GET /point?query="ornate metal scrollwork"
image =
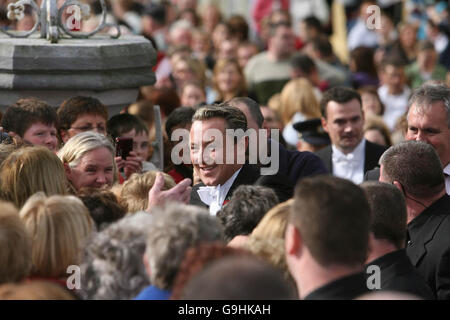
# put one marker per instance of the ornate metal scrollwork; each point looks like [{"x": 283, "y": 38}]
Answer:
[{"x": 50, "y": 19}]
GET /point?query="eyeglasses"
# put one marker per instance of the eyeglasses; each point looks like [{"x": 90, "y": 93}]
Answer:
[{"x": 90, "y": 128}]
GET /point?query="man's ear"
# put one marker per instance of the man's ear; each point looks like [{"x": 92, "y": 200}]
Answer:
[
  {"x": 293, "y": 241},
  {"x": 399, "y": 186},
  {"x": 324, "y": 124}
]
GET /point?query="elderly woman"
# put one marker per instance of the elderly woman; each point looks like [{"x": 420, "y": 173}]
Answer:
[
  {"x": 112, "y": 267},
  {"x": 88, "y": 160},
  {"x": 29, "y": 170}
]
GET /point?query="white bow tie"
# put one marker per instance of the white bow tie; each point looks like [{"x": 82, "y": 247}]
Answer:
[
  {"x": 350, "y": 157},
  {"x": 208, "y": 194}
]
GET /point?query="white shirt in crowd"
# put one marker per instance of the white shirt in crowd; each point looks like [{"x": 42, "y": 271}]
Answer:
[
  {"x": 395, "y": 106},
  {"x": 214, "y": 196},
  {"x": 349, "y": 166},
  {"x": 447, "y": 178}
]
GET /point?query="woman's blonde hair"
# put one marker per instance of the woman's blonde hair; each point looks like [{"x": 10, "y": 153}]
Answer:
[
  {"x": 274, "y": 223},
  {"x": 34, "y": 290},
  {"x": 59, "y": 227},
  {"x": 241, "y": 89},
  {"x": 77, "y": 146},
  {"x": 134, "y": 193},
  {"x": 29, "y": 170},
  {"x": 15, "y": 245},
  {"x": 298, "y": 96}
]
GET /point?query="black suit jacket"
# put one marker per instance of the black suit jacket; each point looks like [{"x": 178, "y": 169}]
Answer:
[
  {"x": 398, "y": 274},
  {"x": 250, "y": 175},
  {"x": 345, "y": 288},
  {"x": 373, "y": 153},
  {"x": 428, "y": 246}
]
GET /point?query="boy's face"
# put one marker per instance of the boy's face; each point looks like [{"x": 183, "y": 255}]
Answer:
[
  {"x": 140, "y": 143},
  {"x": 41, "y": 134}
]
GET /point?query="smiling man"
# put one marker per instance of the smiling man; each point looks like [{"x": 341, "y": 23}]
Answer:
[
  {"x": 218, "y": 155},
  {"x": 429, "y": 121},
  {"x": 350, "y": 156}
]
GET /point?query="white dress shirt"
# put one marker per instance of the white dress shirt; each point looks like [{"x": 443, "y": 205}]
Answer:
[
  {"x": 447, "y": 178},
  {"x": 214, "y": 196},
  {"x": 351, "y": 165},
  {"x": 395, "y": 105}
]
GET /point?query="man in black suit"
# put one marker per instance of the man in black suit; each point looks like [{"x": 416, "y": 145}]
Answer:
[
  {"x": 415, "y": 169},
  {"x": 327, "y": 239},
  {"x": 294, "y": 164},
  {"x": 218, "y": 155},
  {"x": 349, "y": 156},
  {"x": 387, "y": 254}
]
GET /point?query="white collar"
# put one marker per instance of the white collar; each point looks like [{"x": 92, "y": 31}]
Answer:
[
  {"x": 356, "y": 155},
  {"x": 214, "y": 196},
  {"x": 447, "y": 169}
]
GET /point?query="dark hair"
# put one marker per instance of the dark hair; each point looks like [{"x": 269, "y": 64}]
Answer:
[
  {"x": 364, "y": 60},
  {"x": 333, "y": 218},
  {"x": 340, "y": 95},
  {"x": 392, "y": 60},
  {"x": 72, "y": 108},
  {"x": 388, "y": 209},
  {"x": 238, "y": 278},
  {"x": 19, "y": 117},
  {"x": 238, "y": 27},
  {"x": 313, "y": 22},
  {"x": 246, "y": 208},
  {"x": 179, "y": 117},
  {"x": 252, "y": 106},
  {"x": 304, "y": 63},
  {"x": 323, "y": 45},
  {"x": 123, "y": 123},
  {"x": 102, "y": 205},
  {"x": 234, "y": 117},
  {"x": 416, "y": 166}
]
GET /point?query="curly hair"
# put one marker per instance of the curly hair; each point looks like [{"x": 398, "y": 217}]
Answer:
[
  {"x": 246, "y": 208},
  {"x": 112, "y": 267},
  {"x": 175, "y": 229},
  {"x": 102, "y": 205}
]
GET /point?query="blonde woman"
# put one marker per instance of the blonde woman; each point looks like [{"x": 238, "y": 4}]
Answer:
[
  {"x": 59, "y": 227},
  {"x": 298, "y": 103},
  {"x": 88, "y": 160},
  {"x": 29, "y": 170},
  {"x": 15, "y": 246}
]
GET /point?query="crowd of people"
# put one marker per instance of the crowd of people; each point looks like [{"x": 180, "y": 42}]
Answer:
[{"x": 343, "y": 191}]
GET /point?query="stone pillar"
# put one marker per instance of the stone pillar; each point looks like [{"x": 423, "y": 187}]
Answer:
[{"x": 111, "y": 70}]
